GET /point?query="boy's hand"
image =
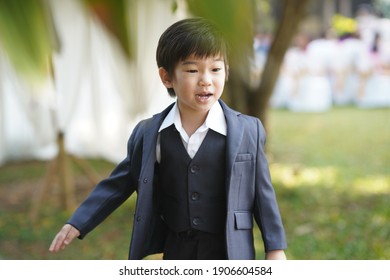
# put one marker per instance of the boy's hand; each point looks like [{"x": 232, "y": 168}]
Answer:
[
  {"x": 63, "y": 238},
  {"x": 275, "y": 255}
]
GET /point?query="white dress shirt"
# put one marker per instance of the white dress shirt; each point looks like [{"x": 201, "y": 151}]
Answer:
[{"x": 215, "y": 120}]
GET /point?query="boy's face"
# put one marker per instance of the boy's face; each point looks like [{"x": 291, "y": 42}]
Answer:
[{"x": 198, "y": 83}]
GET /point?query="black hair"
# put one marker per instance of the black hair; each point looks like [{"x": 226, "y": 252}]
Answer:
[{"x": 192, "y": 36}]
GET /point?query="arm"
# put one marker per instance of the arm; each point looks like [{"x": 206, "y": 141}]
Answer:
[
  {"x": 105, "y": 198},
  {"x": 111, "y": 192},
  {"x": 266, "y": 210}
]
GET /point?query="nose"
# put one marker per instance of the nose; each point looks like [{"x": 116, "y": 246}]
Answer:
[{"x": 205, "y": 80}]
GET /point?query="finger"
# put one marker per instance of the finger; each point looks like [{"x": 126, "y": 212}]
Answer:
[
  {"x": 59, "y": 240},
  {"x": 56, "y": 244},
  {"x": 72, "y": 234}
]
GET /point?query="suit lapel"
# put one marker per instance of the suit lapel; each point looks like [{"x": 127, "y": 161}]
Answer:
[
  {"x": 235, "y": 133},
  {"x": 150, "y": 138}
]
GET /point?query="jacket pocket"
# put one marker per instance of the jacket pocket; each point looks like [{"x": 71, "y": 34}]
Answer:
[
  {"x": 243, "y": 220},
  {"x": 243, "y": 157}
]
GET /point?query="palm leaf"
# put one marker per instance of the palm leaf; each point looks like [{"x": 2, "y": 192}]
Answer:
[{"x": 26, "y": 35}]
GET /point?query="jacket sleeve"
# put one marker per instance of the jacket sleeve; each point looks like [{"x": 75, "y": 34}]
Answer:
[
  {"x": 109, "y": 194},
  {"x": 266, "y": 210}
]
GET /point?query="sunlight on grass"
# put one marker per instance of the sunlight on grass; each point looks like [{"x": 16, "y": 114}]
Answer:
[
  {"x": 372, "y": 185},
  {"x": 293, "y": 176},
  {"x": 296, "y": 176}
]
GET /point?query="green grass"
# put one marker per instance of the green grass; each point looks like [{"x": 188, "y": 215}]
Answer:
[{"x": 330, "y": 172}]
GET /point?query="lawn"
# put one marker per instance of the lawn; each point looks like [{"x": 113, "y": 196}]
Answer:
[{"x": 330, "y": 172}]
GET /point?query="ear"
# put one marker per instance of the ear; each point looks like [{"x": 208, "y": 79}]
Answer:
[{"x": 165, "y": 78}]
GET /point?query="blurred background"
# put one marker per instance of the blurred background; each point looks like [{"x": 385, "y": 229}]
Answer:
[{"x": 77, "y": 75}]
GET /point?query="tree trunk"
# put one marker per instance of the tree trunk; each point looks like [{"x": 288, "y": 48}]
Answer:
[{"x": 293, "y": 13}]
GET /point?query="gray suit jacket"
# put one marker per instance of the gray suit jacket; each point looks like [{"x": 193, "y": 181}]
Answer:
[{"x": 248, "y": 186}]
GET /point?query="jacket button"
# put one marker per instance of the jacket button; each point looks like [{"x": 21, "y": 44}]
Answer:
[
  {"x": 145, "y": 180},
  {"x": 138, "y": 218},
  {"x": 194, "y": 169},
  {"x": 194, "y": 196},
  {"x": 196, "y": 221}
]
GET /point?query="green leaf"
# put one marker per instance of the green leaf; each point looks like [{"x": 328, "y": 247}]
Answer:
[{"x": 27, "y": 36}]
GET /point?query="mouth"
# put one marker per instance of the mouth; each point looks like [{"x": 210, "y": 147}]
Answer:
[{"x": 203, "y": 96}]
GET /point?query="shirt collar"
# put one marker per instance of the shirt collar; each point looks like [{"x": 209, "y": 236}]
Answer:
[{"x": 215, "y": 119}]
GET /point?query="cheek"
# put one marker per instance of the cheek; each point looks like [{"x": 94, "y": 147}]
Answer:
[
  {"x": 220, "y": 83},
  {"x": 188, "y": 81},
  {"x": 183, "y": 85},
  {"x": 186, "y": 84}
]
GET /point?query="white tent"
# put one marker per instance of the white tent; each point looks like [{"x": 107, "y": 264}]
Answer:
[{"x": 97, "y": 95}]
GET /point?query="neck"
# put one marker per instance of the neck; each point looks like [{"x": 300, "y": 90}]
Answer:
[{"x": 191, "y": 122}]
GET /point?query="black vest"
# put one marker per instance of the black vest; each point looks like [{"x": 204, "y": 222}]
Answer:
[{"x": 193, "y": 194}]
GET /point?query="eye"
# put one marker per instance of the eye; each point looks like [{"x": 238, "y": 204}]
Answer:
[
  {"x": 192, "y": 71},
  {"x": 217, "y": 69}
]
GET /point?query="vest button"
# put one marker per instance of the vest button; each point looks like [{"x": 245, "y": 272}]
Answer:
[
  {"x": 194, "y": 169},
  {"x": 196, "y": 221},
  {"x": 194, "y": 196}
]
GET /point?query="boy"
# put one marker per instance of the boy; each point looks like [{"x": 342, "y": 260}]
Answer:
[{"x": 198, "y": 167}]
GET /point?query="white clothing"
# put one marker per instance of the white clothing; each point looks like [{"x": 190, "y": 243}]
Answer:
[
  {"x": 215, "y": 120},
  {"x": 351, "y": 63},
  {"x": 293, "y": 64},
  {"x": 376, "y": 92},
  {"x": 314, "y": 93}
]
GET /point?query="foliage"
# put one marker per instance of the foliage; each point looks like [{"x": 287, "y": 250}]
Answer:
[
  {"x": 28, "y": 33},
  {"x": 114, "y": 16},
  {"x": 330, "y": 172},
  {"x": 27, "y": 36},
  {"x": 234, "y": 19}
]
